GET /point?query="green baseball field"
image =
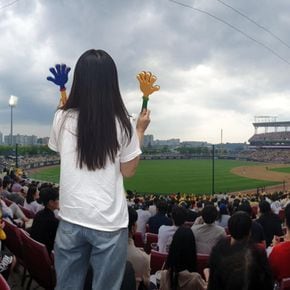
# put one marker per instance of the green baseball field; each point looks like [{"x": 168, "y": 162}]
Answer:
[{"x": 186, "y": 176}]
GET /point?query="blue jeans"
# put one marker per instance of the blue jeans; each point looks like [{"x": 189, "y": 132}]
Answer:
[{"x": 76, "y": 247}]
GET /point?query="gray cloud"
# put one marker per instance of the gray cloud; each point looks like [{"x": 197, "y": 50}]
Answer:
[{"x": 211, "y": 76}]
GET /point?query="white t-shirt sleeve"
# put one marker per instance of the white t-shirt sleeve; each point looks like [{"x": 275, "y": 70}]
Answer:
[
  {"x": 132, "y": 149},
  {"x": 53, "y": 139}
]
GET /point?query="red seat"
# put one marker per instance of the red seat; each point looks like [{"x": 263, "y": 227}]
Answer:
[
  {"x": 13, "y": 240},
  {"x": 39, "y": 263},
  {"x": 202, "y": 263},
  {"x": 149, "y": 239},
  {"x": 261, "y": 246},
  {"x": 7, "y": 201},
  {"x": 157, "y": 261},
  {"x": 188, "y": 224},
  {"x": 281, "y": 214},
  {"x": 3, "y": 283},
  {"x": 28, "y": 213},
  {"x": 14, "y": 243},
  {"x": 138, "y": 240},
  {"x": 285, "y": 284}
]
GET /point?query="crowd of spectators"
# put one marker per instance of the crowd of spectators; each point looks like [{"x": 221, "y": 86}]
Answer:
[
  {"x": 271, "y": 136},
  {"x": 266, "y": 155},
  {"x": 234, "y": 230},
  {"x": 244, "y": 236}
]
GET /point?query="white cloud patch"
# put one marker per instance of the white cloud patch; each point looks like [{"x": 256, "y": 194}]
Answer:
[{"x": 211, "y": 76}]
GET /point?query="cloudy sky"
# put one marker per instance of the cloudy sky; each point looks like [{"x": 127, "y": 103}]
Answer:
[{"x": 212, "y": 76}]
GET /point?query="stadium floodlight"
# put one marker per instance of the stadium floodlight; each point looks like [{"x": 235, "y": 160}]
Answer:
[{"x": 12, "y": 103}]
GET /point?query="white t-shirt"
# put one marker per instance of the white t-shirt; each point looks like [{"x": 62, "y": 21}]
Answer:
[
  {"x": 143, "y": 217},
  {"x": 34, "y": 206},
  {"x": 93, "y": 199},
  {"x": 165, "y": 234}
]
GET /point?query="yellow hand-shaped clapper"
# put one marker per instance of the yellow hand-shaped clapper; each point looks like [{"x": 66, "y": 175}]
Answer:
[{"x": 146, "y": 81}]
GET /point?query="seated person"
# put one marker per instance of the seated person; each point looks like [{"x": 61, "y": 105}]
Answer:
[
  {"x": 257, "y": 233},
  {"x": 45, "y": 223},
  {"x": 7, "y": 260},
  {"x": 138, "y": 258},
  {"x": 156, "y": 221},
  {"x": 223, "y": 216},
  {"x": 181, "y": 265},
  {"x": 12, "y": 211},
  {"x": 279, "y": 257},
  {"x": 143, "y": 217},
  {"x": 239, "y": 264},
  {"x": 32, "y": 196},
  {"x": 166, "y": 233},
  {"x": 270, "y": 222},
  {"x": 208, "y": 233},
  {"x": 16, "y": 197}
]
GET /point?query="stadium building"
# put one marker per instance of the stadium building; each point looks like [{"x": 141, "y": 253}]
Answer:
[{"x": 275, "y": 135}]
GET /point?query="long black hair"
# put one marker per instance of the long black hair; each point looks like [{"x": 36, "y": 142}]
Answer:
[
  {"x": 95, "y": 95},
  {"x": 182, "y": 255}
]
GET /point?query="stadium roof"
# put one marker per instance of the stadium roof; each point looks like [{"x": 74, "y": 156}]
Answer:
[{"x": 272, "y": 124}]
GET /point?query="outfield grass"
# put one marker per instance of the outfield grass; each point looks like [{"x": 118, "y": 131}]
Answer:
[
  {"x": 281, "y": 169},
  {"x": 187, "y": 176}
]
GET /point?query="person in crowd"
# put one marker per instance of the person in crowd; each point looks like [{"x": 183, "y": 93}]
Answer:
[
  {"x": 270, "y": 222},
  {"x": 223, "y": 216},
  {"x": 156, "y": 221},
  {"x": 7, "y": 259},
  {"x": 31, "y": 201},
  {"x": 12, "y": 213},
  {"x": 239, "y": 264},
  {"x": 166, "y": 233},
  {"x": 208, "y": 233},
  {"x": 279, "y": 257},
  {"x": 276, "y": 204},
  {"x": 138, "y": 258},
  {"x": 152, "y": 206},
  {"x": 181, "y": 264},
  {"x": 143, "y": 218},
  {"x": 6, "y": 184},
  {"x": 45, "y": 223},
  {"x": 93, "y": 206},
  {"x": 12, "y": 196},
  {"x": 257, "y": 233},
  {"x": 16, "y": 186},
  {"x": 198, "y": 209}
]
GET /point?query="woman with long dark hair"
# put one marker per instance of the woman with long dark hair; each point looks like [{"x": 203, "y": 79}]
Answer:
[
  {"x": 181, "y": 265},
  {"x": 30, "y": 201},
  {"x": 98, "y": 146}
]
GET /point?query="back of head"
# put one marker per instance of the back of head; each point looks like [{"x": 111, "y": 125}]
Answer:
[
  {"x": 239, "y": 225},
  {"x": 30, "y": 193},
  {"x": 47, "y": 194},
  {"x": 246, "y": 208},
  {"x": 209, "y": 214},
  {"x": 287, "y": 215},
  {"x": 178, "y": 215},
  {"x": 264, "y": 207},
  {"x": 182, "y": 251},
  {"x": 161, "y": 205},
  {"x": 95, "y": 95},
  {"x": 242, "y": 267},
  {"x": 133, "y": 216}
]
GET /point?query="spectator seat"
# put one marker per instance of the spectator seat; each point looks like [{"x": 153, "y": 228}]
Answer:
[{"x": 157, "y": 261}]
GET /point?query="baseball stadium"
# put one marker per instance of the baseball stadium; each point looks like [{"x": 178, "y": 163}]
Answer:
[{"x": 264, "y": 165}]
